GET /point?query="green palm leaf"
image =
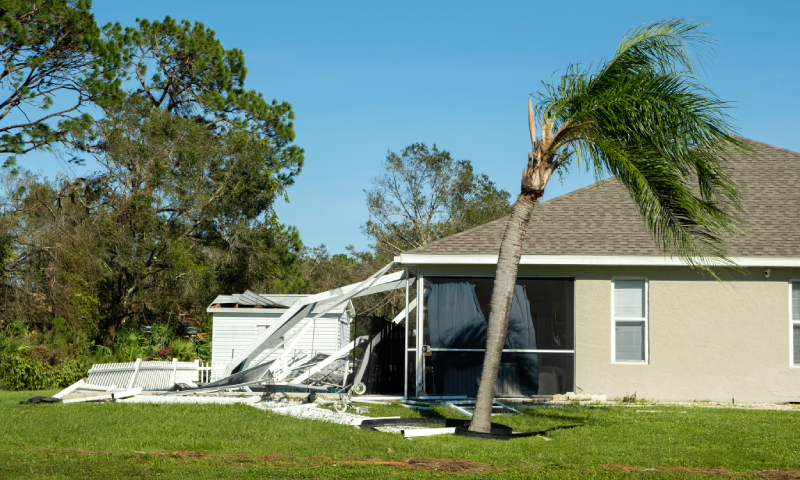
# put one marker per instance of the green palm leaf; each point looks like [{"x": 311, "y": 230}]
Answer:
[{"x": 643, "y": 117}]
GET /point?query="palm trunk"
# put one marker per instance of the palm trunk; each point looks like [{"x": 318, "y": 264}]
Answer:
[{"x": 502, "y": 296}]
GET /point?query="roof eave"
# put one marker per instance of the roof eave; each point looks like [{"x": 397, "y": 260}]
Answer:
[{"x": 598, "y": 260}]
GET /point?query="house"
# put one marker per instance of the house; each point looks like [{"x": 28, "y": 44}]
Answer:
[
  {"x": 610, "y": 313},
  {"x": 238, "y": 320}
]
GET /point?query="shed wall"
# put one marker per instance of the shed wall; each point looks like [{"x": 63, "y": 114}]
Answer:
[
  {"x": 708, "y": 340},
  {"x": 233, "y": 332}
]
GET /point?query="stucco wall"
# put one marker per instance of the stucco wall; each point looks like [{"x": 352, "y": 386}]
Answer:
[{"x": 708, "y": 340}]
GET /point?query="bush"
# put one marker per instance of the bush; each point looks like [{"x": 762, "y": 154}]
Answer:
[{"x": 25, "y": 373}]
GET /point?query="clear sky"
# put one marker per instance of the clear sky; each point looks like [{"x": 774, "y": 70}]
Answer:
[{"x": 367, "y": 77}]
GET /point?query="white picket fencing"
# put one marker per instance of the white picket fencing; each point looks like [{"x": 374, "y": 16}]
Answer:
[
  {"x": 147, "y": 375},
  {"x": 208, "y": 374}
]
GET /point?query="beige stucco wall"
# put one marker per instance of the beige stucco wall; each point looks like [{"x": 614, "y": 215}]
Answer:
[{"x": 708, "y": 340}]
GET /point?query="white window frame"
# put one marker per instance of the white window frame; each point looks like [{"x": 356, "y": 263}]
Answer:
[
  {"x": 792, "y": 323},
  {"x": 646, "y": 320}
]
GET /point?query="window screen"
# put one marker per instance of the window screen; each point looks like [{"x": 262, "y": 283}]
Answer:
[
  {"x": 796, "y": 323},
  {"x": 630, "y": 341},
  {"x": 796, "y": 343},
  {"x": 630, "y": 322},
  {"x": 629, "y": 299}
]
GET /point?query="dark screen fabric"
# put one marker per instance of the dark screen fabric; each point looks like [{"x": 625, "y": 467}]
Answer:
[
  {"x": 454, "y": 316},
  {"x": 455, "y": 320},
  {"x": 521, "y": 335},
  {"x": 384, "y": 371}
]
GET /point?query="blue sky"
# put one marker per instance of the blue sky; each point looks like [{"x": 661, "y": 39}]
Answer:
[{"x": 366, "y": 77}]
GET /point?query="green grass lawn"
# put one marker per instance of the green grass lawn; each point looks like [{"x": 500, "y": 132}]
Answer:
[{"x": 109, "y": 440}]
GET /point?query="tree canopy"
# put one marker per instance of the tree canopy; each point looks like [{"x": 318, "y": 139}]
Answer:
[
  {"x": 189, "y": 165},
  {"x": 184, "y": 69},
  {"x": 52, "y": 50},
  {"x": 175, "y": 215},
  {"x": 423, "y": 194}
]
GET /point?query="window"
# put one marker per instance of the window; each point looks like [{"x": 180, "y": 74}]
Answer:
[
  {"x": 629, "y": 313},
  {"x": 795, "y": 323}
]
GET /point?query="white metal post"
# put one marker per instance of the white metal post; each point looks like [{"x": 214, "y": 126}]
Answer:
[
  {"x": 135, "y": 373},
  {"x": 420, "y": 335},
  {"x": 405, "y": 349},
  {"x": 174, "y": 371}
]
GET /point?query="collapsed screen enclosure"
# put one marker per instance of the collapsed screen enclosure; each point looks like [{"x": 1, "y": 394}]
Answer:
[{"x": 539, "y": 352}]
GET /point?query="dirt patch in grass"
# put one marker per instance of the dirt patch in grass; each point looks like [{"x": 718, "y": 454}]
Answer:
[
  {"x": 778, "y": 474},
  {"x": 450, "y": 465},
  {"x": 769, "y": 474}
]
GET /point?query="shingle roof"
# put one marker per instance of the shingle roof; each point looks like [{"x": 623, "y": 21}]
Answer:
[{"x": 601, "y": 219}]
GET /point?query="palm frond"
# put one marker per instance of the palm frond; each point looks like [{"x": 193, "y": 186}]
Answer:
[{"x": 644, "y": 117}]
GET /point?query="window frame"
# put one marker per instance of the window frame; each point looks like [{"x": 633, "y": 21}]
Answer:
[
  {"x": 645, "y": 319},
  {"x": 792, "y": 323}
]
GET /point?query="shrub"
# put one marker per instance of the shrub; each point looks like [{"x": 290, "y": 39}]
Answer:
[{"x": 18, "y": 372}]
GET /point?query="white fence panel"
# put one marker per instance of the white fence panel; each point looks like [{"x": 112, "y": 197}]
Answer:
[
  {"x": 147, "y": 375},
  {"x": 207, "y": 373}
]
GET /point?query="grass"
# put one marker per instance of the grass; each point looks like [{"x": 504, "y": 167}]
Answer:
[{"x": 237, "y": 441}]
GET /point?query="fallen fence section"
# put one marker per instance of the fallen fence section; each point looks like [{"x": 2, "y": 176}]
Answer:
[
  {"x": 70, "y": 389},
  {"x": 152, "y": 375},
  {"x": 108, "y": 396}
]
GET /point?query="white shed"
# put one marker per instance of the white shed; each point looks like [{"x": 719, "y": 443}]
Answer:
[{"x": 238, "y": 321}]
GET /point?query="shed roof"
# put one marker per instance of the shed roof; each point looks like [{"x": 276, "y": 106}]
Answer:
[
  {"x": 282, "y": 302},
  {"x": 601, "y": 219}
]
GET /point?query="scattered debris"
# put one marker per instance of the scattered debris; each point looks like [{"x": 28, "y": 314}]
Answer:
[
  {"x": 358, "y": 421},
  {"x": 579, "y": 397},
  {"x": 115, "y": 395},
  {"x": 163, "y": 399},
  {"x": 467, "y": 407},
  {"x": 415, "y": 407},
  {"x": 505, "y": 433},
  {"x": 427, "y": 432},
  {"x": 40, "y": 400}
]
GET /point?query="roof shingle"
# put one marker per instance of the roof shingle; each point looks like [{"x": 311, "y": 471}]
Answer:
[{"x": 601, "y": 219}]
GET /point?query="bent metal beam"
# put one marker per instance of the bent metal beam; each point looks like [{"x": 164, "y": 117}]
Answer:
[{"x": 276, "y": 334}]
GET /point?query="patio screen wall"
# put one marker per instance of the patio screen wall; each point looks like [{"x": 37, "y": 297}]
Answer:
[{"x": 539, "y": 353}]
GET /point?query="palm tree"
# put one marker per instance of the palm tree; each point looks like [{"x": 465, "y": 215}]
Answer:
[{"x": 643, "y": 117}]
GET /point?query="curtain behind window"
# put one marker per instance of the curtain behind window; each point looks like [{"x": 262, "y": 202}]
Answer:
[{"x": 455, "y": 320}]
